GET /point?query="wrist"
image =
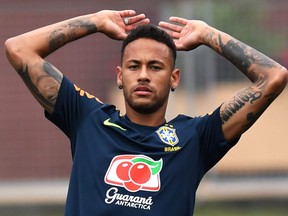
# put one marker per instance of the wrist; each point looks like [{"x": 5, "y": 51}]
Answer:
[
  {"x": 100, "y": 20},
  {"x": 208, "y": 36}
]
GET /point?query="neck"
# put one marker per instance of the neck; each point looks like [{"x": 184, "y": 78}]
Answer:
[{"x": 153, "y": 119}]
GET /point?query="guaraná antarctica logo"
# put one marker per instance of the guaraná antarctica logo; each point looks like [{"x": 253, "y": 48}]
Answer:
[{"x": 134, "y": 173}]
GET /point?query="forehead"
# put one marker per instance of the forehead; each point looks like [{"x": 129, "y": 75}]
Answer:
[{"x": 144, "y": 48}]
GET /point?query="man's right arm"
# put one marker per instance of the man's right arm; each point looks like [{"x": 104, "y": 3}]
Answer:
[{"x": 26, "y": 52}]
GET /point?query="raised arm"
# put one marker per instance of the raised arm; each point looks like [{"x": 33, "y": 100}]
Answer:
[
  {"x": 268, "y": 78},
  {"x": 26, "y": 52}
]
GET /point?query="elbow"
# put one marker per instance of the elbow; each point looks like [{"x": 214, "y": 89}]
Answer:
[
  {"x": 285, "y": 72},
  {"x": 279, "y": 81},
  {"x": 13, "y": 52},
  {"x": 10, "y": 48},
  {"x": 283, "y": 77}
]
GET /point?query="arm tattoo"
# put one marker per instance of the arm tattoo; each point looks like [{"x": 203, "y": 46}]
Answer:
[
  {"x": 243, "y": 56},
  {"x": 251, "y": 117},
  {"x": 255, "y": 66},
  {"x": 211, "y": 40},
  {"x": 72, "y": 31},
  {"x": 52, "y": 71},
  {"x": 249, "y": 95},
  {"x": 50, "y": 81}
]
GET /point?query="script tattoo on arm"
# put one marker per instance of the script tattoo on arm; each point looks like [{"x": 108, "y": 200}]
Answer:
[
  {"x": 251, "y": 117},
  {"x": 248, "y": 95},
  {"x": 46, "y": 87},
  {"x": 70, "y": 32}
]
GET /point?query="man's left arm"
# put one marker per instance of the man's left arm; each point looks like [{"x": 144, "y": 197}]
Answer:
[{"x": 268, "y": 77}]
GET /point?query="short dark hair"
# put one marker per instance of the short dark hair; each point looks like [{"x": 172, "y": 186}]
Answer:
[{"x": 151, "y": 32}]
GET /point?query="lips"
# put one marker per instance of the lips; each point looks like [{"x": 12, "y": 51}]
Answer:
[{"x": 142, "y": 90}]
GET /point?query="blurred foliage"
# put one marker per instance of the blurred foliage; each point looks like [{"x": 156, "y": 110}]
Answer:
[{"x": 259, "y": 23}]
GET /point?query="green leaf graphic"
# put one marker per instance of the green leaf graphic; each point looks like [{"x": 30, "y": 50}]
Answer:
[{"x": 155, "y": 166}]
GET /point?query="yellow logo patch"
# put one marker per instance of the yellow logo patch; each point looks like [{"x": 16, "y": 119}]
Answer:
[{"x": 168, "y": 135}]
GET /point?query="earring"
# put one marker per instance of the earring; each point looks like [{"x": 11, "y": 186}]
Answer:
[
  {"x": 172, "y": 89},
  {"x": 120, "y": 86}
]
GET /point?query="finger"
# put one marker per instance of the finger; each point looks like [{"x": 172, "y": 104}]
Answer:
[
  {"x": 170, "y": 27},
  {"x": 135, "y": 19},
  {"x": 179, "y": 47},
  {"x": 173, "y": 34},
  {"x": 127, "y": 13},
  {"x": 131, "y": 25},
  {"x": 144, "y": 21},
  {"x": 178, "y": 20}
]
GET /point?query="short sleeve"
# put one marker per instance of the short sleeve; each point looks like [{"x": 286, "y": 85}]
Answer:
[
  {"x": 72, "y": 105},
  {"x": 213, "y": 144}
]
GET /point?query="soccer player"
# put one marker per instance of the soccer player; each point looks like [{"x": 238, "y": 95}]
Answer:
[{"x": 139, "y": 163}]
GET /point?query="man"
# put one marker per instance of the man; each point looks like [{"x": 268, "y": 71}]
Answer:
[{"x": 139, "y": 164}]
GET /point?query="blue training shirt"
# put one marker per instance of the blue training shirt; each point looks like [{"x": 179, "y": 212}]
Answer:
[{"x": 121, "y": 168}]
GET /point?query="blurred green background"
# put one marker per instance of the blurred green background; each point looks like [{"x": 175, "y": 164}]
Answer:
[{"x": 207, "y": 209}]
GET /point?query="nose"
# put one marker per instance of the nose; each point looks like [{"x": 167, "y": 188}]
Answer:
[{"x": 144, "y": 75}]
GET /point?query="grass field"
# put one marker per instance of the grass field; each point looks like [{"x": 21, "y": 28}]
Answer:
[
  {"x": 243, "y": 208},
  {"x": 203, "y": 209}
]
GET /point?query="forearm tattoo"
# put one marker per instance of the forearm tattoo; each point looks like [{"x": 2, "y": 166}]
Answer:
[
  {"x": 72, "y": 31},
  {"x": 243, "y": 57},
  {"x": 212, "y": 40},
  {"x": 46, "y": 87}
]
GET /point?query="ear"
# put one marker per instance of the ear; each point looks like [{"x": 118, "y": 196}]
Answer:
[
  {"x": 119, "y": 75},
  {"x": 175, "y": 78}
]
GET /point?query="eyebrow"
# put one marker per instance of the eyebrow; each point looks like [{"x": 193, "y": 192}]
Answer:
[{"x": 149, "y": 62}]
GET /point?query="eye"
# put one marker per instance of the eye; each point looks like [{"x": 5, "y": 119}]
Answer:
[
  {"x": 133, "y": 67},
  {"x": 155, "y": 67}
]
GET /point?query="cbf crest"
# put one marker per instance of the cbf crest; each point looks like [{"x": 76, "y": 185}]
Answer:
[{"x": 168, "y": 135}]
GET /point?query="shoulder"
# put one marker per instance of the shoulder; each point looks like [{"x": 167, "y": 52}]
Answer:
[
  {"x": 210, "y": 120},
  {"x": 186, "y": 120}
]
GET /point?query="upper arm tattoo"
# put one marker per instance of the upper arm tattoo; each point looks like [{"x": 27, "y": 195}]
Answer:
[
  {"x": 46, "y": 79},
  {"x": 248, "y": 95},
  {"x": 46, "y": 87},
  {"x": 52, "y": 71},
  {"x": 252, "y": 117}
]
